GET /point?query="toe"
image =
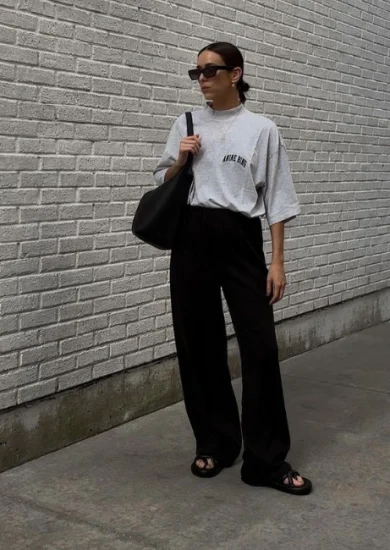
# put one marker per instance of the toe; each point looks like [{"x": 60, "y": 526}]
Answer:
[
  {"x": 205, "y": 463},
  {"x": 298, "y": 482},
  {"x": 210, "y": 463}
]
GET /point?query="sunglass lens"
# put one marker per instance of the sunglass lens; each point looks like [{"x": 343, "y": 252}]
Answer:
[
  {"x": 194, "y": 74},
  {"x": 209, "y": 72}
]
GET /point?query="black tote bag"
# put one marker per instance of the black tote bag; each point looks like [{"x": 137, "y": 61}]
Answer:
[{"x": 159, "y": 212}]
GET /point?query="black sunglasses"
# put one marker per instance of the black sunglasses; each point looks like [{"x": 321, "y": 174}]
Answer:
[{"x": 209, "y": 71}]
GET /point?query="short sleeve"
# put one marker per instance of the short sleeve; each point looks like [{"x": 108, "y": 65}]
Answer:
[
  {"x": 170, "y": 153},
  {"x": 280, "y": 199}
]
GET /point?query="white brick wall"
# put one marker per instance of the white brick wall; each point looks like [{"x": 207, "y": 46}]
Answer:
[{"x": 88, "y": 92}]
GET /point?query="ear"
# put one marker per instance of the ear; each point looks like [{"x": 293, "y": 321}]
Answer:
[{"x": 237, "y": 74}]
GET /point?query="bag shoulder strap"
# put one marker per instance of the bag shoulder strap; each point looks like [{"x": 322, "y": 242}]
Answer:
[{"x": 190, "y": 124}]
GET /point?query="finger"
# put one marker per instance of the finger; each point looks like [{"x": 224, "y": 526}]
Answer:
[
  {"x": 282, "y": 291},
  {"x": 194, "y": 150},
  {"x": 269, "y": 286},
  {"x": 275, "y": 294},
  {"x": 192, "y": 139}
]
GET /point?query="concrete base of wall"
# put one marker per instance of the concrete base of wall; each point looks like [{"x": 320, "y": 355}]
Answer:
[{"x": 43, "y": 426}]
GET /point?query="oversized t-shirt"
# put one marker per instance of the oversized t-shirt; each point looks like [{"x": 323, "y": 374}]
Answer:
[{"x": 242, "y": 165}]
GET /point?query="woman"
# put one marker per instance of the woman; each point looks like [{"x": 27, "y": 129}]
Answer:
[{"x": 241, "y": 173}]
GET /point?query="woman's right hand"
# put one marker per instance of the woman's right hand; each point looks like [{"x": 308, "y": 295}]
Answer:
[{"x": 189, "y": 144}]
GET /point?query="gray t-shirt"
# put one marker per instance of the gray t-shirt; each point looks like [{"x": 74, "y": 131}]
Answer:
[{"x": 242, "y": 166}]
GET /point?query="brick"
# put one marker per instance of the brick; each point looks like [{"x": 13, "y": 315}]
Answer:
[
  {"x": 8, "y": 399},
  {"x": 124, "y": 317},
  {"x": 92, "y": 227},
  {"x": 124, "y": 347},
  {"x": 39, "y": 354},
  {"x": 35, "y": 41},
  {"x": 75, "y": 311},
  {"x": 74, "y": 147},
  {"x": 7, "y": 145},
  {"x": 8, "y": 251},
  {"x": 8, "y": 362},
  {"x": 8, "y": 216},
  {"x": 110, "y": 241},
  {"x": 38, "y": 180},
  {"x": 81, "y": 376},
  {"x": 140, "y": 327},
  {"x": 164, "y": 350},
  {"x": 152, "y": 339},
  {"x": 19, "y": 267},
  {"x": 111, "y": 334},
  {"x": 58, "y": 196},
  {"x": 76, "y": 211},
  {"x": 75, "y": 244},
  {"x": 101, "y": 6},
  {"x": 109, "y": 272},
  {"x": 108, "y": 367},
  {"x": 74, "y": 47},
  {"x": 57, "y": 367},
  {"x": 38, "y": 214},
  {"x": 76, "y": 277},
  {"x": 93, "y": 258},
  {"x": 8, "y": 287},
  {"x": 59, "y": 297},
  {"x": 38, "y": 318},
  {"x": 39, "y": 248},
  {"x": 18, "y": 304},
  {"x": 109, "y": 304},
  {"x": 57, "y": 332},
  {"x": 36, "y": 76},
  {"x": 37, "y": 112},
  {"x": 7, "y": 72},
  {"x": 35, "y": 391},
  {"x": 92, "y": 356},
  {"x": 97, "y": 290},
  {"x": 125, "y": 285},
  {"x": 92, "y": 324},
  {"x": 77, "y": 82},
  {"x": 36, "y": 283},
  {"x": 58, "y": 229},
  {"x": 73, "y": 345},
  {"x": 18, "y": 377},
  {"x": 139, "y": 358},
  {"x": 19, "y": 92},
  {"x": 18, "y": 20},
  {"x": 18, "y": 162}
]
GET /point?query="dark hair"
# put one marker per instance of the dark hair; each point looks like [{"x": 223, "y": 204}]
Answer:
[{"x": 231, "y": 56}]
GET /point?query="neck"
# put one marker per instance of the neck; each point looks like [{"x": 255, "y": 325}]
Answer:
[{"x": 225, "y": 103}]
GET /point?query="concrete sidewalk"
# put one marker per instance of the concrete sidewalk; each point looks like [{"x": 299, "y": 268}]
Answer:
[{"x": 131, "y": 487}]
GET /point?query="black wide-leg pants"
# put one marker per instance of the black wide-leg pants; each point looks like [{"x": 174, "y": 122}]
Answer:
[{"x": 220, "y": 249}]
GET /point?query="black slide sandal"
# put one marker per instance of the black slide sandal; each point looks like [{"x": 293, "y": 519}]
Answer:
[
  {"x": 279, "y": 484},
  {"x": 208, "y": 472},
  {"x": 289, "y": 487}
]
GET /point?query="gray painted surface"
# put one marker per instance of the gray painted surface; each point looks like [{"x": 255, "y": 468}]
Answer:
[
  {"x": 88, "y": 92},
  {"x": 131, "y": 487}
]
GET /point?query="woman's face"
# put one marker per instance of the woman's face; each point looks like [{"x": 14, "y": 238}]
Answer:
[{"x": 219, "y": 85}]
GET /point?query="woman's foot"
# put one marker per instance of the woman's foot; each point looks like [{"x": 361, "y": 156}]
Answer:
[
  {"x": 291, "y": 482},
  {"x": 208, "y": 466},
  {"x": 205, "y": 463},
  {"x": 297, "y": 480}
]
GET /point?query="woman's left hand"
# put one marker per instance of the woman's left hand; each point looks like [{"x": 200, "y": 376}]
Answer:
[{"x": 276, "y": 281}]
